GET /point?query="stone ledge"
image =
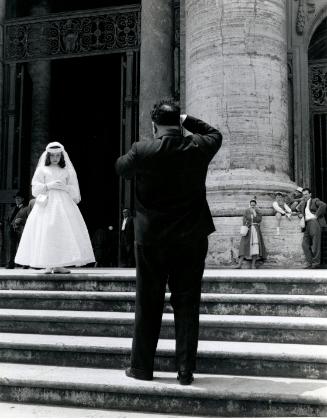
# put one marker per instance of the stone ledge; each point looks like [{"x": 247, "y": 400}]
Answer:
[
  {"x": 250, "y": 350},
  {"x": 212, "y": 320},
  {"x": 205, "y": 385}
]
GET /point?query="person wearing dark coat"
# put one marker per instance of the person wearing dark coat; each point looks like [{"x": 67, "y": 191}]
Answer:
[
  {"x": 172, "y": 225},
  {"x": 252, "y": 246},
  {"x": 313, "y": 211},
  {"x": 16, "y": 222},
  {"x": 127, "y": 238}
]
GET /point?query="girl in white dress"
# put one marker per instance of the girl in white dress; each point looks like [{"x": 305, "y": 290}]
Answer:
[{"x": 55, "y": 234}]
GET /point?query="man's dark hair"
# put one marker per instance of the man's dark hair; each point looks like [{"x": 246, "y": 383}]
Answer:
[
  {"x": 306, "y": 189},
  {"x": 279, "y": 194},
  {"x": 253, "y": 200},
  {"x": 166, "y": 112}
]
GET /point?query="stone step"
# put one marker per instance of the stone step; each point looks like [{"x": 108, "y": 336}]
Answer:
[
  {"x": 37, "y": 410},
  {"x": 296, "y": 282},
  {"x": 214, "y": 357},
  {"x": 237, "y": 304},
  {"x": 210, "y": 395},
  {"x": 308, "y": 330}
]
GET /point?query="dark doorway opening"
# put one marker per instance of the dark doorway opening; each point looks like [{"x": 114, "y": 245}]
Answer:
[
  {"x": 85, "y": 117},
  {"x": 317, "y": 54}
]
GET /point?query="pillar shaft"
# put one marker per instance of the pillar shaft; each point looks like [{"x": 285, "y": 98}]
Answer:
[
  {"x": 156, "y": 74},
  {"x": 40, "y": 72},
  {"x": 236, "y": 79},
  {"x": 2, "y": 18}
]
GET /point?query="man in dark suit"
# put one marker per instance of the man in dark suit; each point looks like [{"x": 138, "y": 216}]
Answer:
[
  {"x": 313, "y": 210},
  {"x": 127, "y": 238},
  {"x": 172, "y": 225},
  {"x": 17, "y": 222}
]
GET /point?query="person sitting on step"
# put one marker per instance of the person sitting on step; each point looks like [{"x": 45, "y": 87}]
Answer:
[{"x": 281, "y": 209}]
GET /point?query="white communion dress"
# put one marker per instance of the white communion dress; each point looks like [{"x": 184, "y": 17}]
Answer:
[{"x": 55, "y": 235}]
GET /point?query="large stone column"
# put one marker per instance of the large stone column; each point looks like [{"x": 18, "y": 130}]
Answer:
[
  {"x": 40, "y": 72},
  {"x": 156, "y": 73},
  {"x": 2, "y": 18},
  {"x": 236, "y": 71},
  {"x": 236, "y": 79},
  {"x": 2, "y": 207}
]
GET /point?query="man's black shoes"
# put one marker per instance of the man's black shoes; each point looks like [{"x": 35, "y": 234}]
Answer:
[
  {"x": 138, "y": 374},
  {"x": 185, "y": 378}
]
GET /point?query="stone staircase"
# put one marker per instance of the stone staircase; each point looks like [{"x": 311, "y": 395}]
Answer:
[{"x": 66, "y": 339}]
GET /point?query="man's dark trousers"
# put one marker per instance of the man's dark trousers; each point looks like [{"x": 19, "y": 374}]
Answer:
[
  {"x": 13, "y": 245},
  {"x": 311, "y": 243},
  {"x": 182, "y": 265}
]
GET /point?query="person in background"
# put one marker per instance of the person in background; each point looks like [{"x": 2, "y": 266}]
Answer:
[
  {"x": 127, "y": 258},
  {"x": 313, "y": 211},
  {"x": 112, "y": 245},
  {"x": 30, "y": 206},
  {"x": 294, "y": 198},
  {"x": 17, "y": 222},
  {"x": 252, "y": 246},
  {"x": 281, "y": 209},
  {"x": 101, "y": 246}
]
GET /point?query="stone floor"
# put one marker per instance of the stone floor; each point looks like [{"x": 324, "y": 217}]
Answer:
[
  {"x": 244, "y": 273},
  {"x": 12, "y": 410},
  {"x": 15, "y": 410}
]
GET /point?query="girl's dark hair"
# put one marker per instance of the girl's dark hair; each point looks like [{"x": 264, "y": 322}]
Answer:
[
  {"x": 253, "y": 200},
  {"x": 61, "y": 163}
]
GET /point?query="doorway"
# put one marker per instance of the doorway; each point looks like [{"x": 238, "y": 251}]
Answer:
[
  {"x": 317, "y": 55},
  {"x": 85, "y": 113}
]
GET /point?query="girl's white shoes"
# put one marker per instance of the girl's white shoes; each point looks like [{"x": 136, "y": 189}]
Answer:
[{"x": 57, "y": 271}]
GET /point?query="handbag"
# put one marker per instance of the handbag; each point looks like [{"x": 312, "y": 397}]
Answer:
[
  {"x": 244, "y": 231},
  {"x": 42, "y": 200}
]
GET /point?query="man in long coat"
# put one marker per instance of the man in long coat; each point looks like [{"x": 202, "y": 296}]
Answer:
[{"x": 172, "y": 225}]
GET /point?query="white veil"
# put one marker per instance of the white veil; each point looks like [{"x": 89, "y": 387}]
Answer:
[{"x": 56, "y": 147}]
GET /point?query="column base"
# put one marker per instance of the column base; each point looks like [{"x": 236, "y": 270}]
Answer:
[{"x": 229, "y": 192}]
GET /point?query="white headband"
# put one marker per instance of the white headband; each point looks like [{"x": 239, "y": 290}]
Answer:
[{"x": 54, "y": 147}]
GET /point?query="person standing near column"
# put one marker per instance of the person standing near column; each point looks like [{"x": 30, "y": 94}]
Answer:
[
  {"x": 172, "y": 225},
  {"x": 17, "y": 222},
  {"x": 313, "y": 210},
  {"x": 127, "y": 258}
]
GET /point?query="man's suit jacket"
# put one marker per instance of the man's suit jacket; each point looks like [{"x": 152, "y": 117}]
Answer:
[
  {"x": 127, "y": 235},
  {"x": 170, "y": 175},
  {"x": 18, "y": 219},
  {"x": 318, "y": 208}
]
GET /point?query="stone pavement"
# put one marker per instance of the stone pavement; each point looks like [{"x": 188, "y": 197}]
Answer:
[{"x": 17, "y": 410}]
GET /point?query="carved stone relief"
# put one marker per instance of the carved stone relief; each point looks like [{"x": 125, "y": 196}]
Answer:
[
  {"x": 304, "y": 8},
  {"x": 49, "y": 37},
  {"x": 318, "y": 79}
]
